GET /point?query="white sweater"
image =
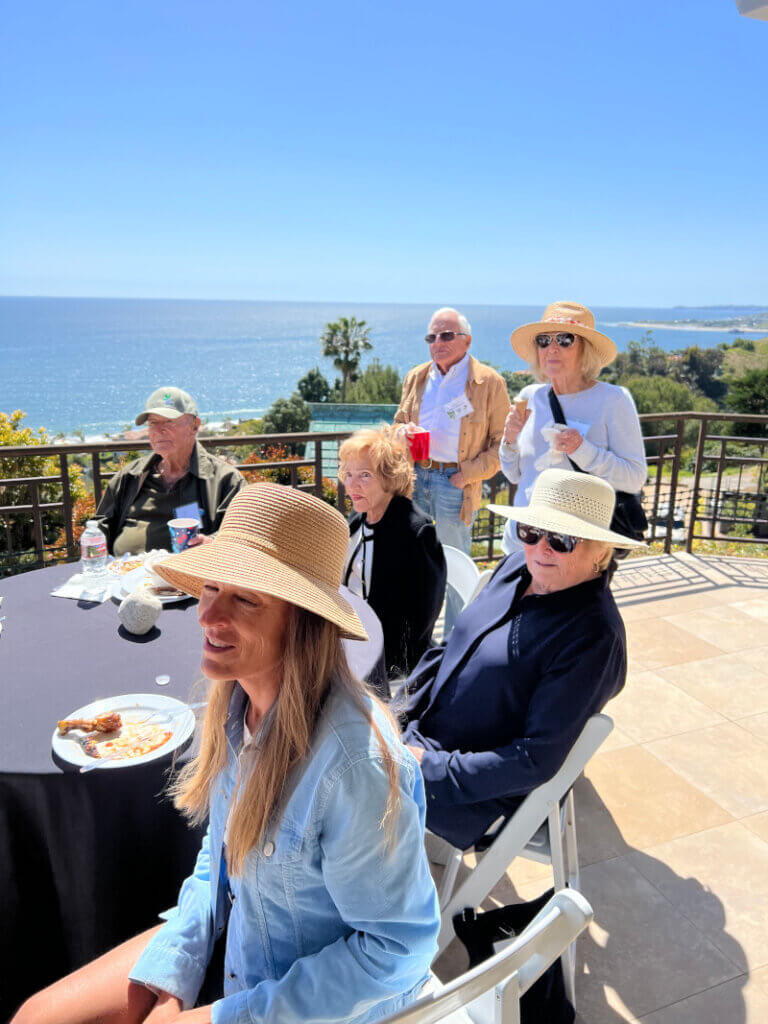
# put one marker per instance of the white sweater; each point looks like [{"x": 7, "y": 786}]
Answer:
[{"x": 612, "y": 448}]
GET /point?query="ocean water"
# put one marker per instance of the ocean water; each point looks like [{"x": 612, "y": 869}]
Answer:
[{"x": 89, "y": 364}]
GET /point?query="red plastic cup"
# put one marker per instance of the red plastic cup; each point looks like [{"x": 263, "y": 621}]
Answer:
[{"x": 419, "y": 445}]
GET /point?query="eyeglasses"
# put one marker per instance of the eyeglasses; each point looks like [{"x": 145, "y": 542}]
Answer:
[
  {"x": 562, "y": 543},
  {"x": 563, "y": 340},
  {"x": 443, "y": 336}
]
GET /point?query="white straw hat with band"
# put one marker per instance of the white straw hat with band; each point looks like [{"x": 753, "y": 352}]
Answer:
[
  {"x": 563, "y": 318},
  {"x": 278, "y": 541},
  {"x": 577, "y": 504}
]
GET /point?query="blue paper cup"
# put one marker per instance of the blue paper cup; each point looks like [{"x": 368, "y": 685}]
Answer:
[{"x": 182, "y": 531}]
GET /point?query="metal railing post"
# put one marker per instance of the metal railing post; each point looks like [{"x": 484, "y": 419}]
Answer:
[
  {"x": 696, "y": 482},
  {"x": 319, "y": 469},
  {"x": 66, "y": 499},
  {"x": 679, "y": 427}
]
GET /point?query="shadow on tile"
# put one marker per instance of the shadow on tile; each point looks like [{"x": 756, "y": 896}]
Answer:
[{"x": 642, "y": 953}]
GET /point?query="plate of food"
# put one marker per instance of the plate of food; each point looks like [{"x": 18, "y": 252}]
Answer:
[
  {"x": 141, "y": 578},
  {"x": 122, "y": 566},
  {"x": 121, "y": 731}
]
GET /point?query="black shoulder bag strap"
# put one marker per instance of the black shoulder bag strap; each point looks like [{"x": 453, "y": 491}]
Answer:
[{"x": 559, "y": 417}]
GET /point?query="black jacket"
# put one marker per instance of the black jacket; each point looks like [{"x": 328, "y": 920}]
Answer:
[
  {"x": 498, "y": 708},
  {"x": 407, "y": 583}
]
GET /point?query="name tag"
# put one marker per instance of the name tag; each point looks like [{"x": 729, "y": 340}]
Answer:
[
  {"x": 190, "y": 511},
  {"x": 458, "y": 407}
]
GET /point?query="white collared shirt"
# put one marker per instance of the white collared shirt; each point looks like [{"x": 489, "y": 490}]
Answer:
[{"x": 439, "y": 391}]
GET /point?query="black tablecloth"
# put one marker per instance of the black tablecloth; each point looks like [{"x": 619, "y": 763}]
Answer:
[{"x": 86, "y": 861}]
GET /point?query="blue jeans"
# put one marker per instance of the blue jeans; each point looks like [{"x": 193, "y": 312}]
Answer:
[{"x": 435, "y": 495}]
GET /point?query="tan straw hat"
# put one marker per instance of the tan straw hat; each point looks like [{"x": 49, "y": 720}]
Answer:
[
  {"x": 278, "y": 541},
  {"x": 578, "y": 504},
  {"x": 570, "y": 317}
]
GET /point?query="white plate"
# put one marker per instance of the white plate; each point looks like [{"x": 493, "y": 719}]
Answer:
[
  {"x": 132, "y": 707},
  {"x": 139, "y": 578}
]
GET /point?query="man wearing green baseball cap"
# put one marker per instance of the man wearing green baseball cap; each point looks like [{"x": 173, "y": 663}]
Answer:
[{"x": 178, "y": 479}]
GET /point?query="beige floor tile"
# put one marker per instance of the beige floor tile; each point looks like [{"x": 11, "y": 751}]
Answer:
[
  {"x": 662, "y": 604},
  {"x": 630, "y": 799},
  {"x": 756, "y": 724},
  {"x": 756, "y": 608},
  {"x": 757, "y": 823},
  {"x": 725, "y": 626},
  {"x": 733, "y": 594},
  {"x": 718, "y": 880},
  {"x": 616, "y": 741},
  {"x": 728, "y": 684},
  {"x": 725, "y": 762},
  {"x": 658, "y": 642},
  {"x": 757, "y": 657},
  {"x": 739, "y": 1001},
  {"x": 649, "y": 707},
  {"x": 760, "y": 978},
  {"x": 639, "y": 954}
]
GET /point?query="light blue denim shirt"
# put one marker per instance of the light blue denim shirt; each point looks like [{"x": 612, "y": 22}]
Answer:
[{"x": 326, "y": 923}]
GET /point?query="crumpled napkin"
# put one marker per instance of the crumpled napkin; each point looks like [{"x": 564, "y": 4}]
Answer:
[
  {"x": 552, "y": 459},
  {"x": 86, "y": 588}
]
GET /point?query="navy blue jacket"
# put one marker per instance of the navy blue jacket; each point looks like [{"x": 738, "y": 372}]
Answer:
[{"x": 498, "y": 707}]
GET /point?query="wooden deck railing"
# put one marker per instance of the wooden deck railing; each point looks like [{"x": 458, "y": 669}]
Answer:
[{"x": 725, "y": 498}]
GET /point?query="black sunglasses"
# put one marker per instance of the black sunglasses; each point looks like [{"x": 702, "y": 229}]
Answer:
[
  {"x": 443, "y": 336},
  {"x": 563, "y": 340},
  {"x": 562, "y": 543}
]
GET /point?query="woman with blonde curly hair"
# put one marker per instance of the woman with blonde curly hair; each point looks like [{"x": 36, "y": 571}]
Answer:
[
  {"x": 311, "y": 899},
  {"x": 394, "y": 559}
]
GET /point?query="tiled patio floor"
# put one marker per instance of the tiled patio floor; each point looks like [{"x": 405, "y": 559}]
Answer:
[{"x": 673, "y": 812}]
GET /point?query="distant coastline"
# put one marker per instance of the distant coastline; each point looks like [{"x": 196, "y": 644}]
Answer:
[{"x": 684, "y": 325}]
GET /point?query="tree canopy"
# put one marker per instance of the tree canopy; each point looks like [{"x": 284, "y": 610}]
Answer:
[{"x": 344, "y": 340}]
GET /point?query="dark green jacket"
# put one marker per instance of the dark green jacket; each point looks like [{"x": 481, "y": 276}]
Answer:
[{"x": 215, "y": 484}]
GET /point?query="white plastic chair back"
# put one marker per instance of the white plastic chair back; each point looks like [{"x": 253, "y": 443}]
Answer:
[
  {"x": 551, "y": 805},
  {"x": 482, "y": 579},
  {"x": 463, "y": 574},
  {"x": 490, "y": 993}
]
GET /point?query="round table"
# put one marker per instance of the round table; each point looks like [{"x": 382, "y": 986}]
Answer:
[{"x": 89, "y": 860}]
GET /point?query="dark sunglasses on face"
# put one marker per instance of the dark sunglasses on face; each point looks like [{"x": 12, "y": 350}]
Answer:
[
  {"x": 562, "y": 340},
  {"x": 562, "y": 543},
  {"x": 443, "y": 336}
]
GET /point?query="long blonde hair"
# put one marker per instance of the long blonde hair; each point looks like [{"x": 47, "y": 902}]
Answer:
[{"x": 313, "y": 658}]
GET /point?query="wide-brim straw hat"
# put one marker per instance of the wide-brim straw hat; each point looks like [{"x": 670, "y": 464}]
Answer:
[
  {"x": 577, "y": 504},
  {"x": 570, "y": 317},
  {"x": 278, "y": 541}
]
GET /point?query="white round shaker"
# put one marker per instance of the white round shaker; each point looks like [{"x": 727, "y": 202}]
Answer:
[{"x": 139, "y": 612}]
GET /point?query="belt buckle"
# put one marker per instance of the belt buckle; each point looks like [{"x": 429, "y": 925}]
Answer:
[{"x": 425, "y": 463}]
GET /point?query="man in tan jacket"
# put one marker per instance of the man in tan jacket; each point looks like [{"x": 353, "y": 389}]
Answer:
[{"x": 463, "y": 404}]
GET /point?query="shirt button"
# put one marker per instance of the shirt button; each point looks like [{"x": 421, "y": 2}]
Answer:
[
  {"x": 269, "y": 848},
  {"x": 231, "y": 975}
]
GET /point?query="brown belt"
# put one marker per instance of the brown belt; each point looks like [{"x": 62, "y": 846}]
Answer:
[{"x": 432, "y": 464}]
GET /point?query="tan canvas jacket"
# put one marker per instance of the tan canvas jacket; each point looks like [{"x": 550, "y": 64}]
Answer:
[{"x": 480, "y": 432}]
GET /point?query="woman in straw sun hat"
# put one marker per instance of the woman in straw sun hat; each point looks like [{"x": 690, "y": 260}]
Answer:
[
  {"x": 312, "y": 876},
  {"x": 495, "y": 711},
  {"x": 571, "y": 419}
]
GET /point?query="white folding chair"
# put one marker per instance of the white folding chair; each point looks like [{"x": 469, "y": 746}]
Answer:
[
  {"x": 490, "y": 993},
  {"x": 463, "y": 574},
  {"x": 482, "y": 579},
  {"x": 543, "y": 828}
]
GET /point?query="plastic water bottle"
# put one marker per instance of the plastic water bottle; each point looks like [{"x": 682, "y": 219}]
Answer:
[{"x": 93, "y": 550}]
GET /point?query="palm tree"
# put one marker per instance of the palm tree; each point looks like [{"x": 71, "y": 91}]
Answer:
[{"x": 345, "y": 340}]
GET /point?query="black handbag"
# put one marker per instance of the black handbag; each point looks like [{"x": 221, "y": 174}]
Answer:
[
  {"x": 546, "y": 1000},
  {"x": 628, "y": 517}
]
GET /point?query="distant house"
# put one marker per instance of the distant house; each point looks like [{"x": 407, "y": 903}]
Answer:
[{"x": 331, "y": 416}]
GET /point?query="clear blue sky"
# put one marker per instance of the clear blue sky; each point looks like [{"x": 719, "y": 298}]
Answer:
[{"x": 392, "y": 150}]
